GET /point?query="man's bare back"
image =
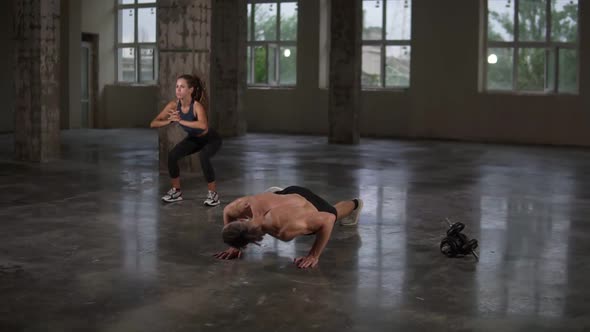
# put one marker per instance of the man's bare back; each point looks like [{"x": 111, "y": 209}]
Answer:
[{"x": 283, "y": 216}]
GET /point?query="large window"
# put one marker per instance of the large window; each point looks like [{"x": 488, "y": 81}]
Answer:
[
  {"x": 272, "y": 43},
  {"x": 531, "y": 46},
  {"x": 136, "y": 41},
  {"x": 387, "y": 32}
]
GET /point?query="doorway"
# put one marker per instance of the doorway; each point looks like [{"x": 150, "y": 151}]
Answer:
[
  {"x": 85, "y": 92},
  {"x": 89, "y": 81}
]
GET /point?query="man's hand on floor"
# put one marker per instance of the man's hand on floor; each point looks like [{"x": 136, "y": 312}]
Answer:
[
  {"x": 230, "y": 253},
  {"x": 306, "y": 262}
]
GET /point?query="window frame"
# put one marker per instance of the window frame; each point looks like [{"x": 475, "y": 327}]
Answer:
[
  {"x": 251, "y": 43},
  {"x": 383, "y": 43},
  {"x": 137, "y": 46},
  {"x": 547, "y": 45}
]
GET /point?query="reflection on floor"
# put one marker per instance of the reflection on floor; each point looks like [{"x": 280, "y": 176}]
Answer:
[{"x": 85, "y": 242}]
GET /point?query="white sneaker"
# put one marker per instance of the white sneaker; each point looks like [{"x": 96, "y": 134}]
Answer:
[
  {"x": 353, "y": 218},
  {"x": 212, "y": 199},
  {"x": 173, "y": 195},
  {"x": 273, "y": 189}
]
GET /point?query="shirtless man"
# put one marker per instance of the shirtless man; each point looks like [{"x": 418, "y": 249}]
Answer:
[{"x": 284, "y": 214}]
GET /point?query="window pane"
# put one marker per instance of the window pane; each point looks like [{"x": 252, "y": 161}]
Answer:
[
  {"x": 146, "y": 25},
  {"x": 249, "y": 65},
  {"x": 372, "y": 19},
  {"x": 499, "y": 68},
  {"x": 397, "y": 66},
  {"x": 260, "y": 65},
  {"x": 531, "y": 69},
  {"x": 126, "y": 64},
  {"x": 568, "y": 71},
  {"x": 265, "y": 21},
  {"x": 249, "y": 36},
  {"x": 532, "y": 20},
  {"x": 398, "y": 20},
  {"x": 371, "y": 75},
  {"x": 288, "y": 65},
  {"x": 500, "y": 20},
  {"x": 289, "y": 21},
  {"x": 564, "y": 20},
  {"x": 550, "y": 70},
  {"x": 272, "y": 64},
  {"x": 126, "y": 2},
  {"x": 146, "y": 1},
  {"x": 146, "y": 65},
  {"x": 126, "y": 25}
]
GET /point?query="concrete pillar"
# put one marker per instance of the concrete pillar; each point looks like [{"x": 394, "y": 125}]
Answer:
[
  {"x": 345, "y": 69},
  {"x": 7, "y": 67},
  {"x": 64, "y": 69},
  {"x": 228, "y": 66},
  {"x": 184, "y": 48},
  {"x": 36, "y": 77},
  {"x": 70, "y": 72}
]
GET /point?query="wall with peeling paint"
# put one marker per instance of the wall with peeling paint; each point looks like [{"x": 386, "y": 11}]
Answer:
[{"x": 6, "y": 68}]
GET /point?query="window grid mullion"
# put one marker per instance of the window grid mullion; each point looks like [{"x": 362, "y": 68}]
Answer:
[
  {"x": 131, "y": 6},
  {"x": 556, "y": 70},
  {"x": 383, "y": 38},
  {"x": 252, "y": 54},
  {"x": 136, "y": 44},
  {"x": 549, "y": 49},
  {"x": 578, "y": 60},
  {"x": 386, "y": 42},
  {"x": 136, "y": 41},
  {"x": 548, "y": 25},
  {"x": 268, "y": 77},
  {"x": 262, "y": 43},
  {"x": 277, "y": 60},
  {"x": 531, "y": 44},
  {"x": 515, "y": 51},
  {"x": 277, "y": 47},
  {"x": 382, "y": 65},
  {"x": 484, "y": 84}
]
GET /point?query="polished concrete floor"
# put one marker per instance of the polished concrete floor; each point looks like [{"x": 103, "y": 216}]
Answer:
[{"x": 86, "y": 244}]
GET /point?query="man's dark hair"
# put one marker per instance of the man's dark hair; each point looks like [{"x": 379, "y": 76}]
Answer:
[{"x": 237, "y": 235}]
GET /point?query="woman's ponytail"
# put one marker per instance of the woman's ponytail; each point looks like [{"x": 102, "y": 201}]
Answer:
[{"x": 199, "y": 94}]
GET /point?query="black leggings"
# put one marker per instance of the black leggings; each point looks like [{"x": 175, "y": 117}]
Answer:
[{"x": 208, "y": 145}]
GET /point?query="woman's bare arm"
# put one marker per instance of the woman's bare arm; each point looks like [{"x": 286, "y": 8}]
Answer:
[{"x": 165, "y": 117}]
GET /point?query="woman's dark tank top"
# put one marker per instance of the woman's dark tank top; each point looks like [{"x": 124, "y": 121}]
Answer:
[{"x": 190, "y": 116}]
